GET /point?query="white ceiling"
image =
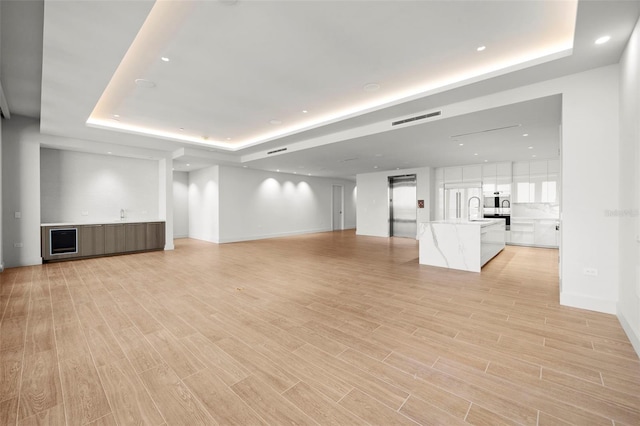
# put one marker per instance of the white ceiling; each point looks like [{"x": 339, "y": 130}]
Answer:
[{"x": 234, "y": 67}]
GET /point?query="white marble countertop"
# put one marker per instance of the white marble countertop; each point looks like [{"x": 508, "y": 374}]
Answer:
[
  {"x": 105, "y": 222},
  {"x": 480, "y": 222}
]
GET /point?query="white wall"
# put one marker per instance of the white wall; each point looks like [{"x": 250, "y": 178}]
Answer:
[
  {"x": 257, "y": 204},
  {"x": 21, "y": 191},
  {"x": 373, "y": 199},
  {"x": 203, "y": 204},
  {"x": 79, "y": 187},
  {"x": 180, "y": 204},
  {"x": 628, "y": 206}
]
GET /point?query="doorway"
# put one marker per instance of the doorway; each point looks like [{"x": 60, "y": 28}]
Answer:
[
  {"x": 402, "y": 206},
  {"x": 337, "y": 208}
]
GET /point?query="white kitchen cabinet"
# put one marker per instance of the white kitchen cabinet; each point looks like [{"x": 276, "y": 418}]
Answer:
[
  {"x": 503, "y": 172},
  {"x": 472, "y": 173},
  {"x": 496, "y": 177},
  {"x": 536, "y": 181},
  {"x": 452, "y": 174},
  {"x": 489, "y": 171},
  {"x": 521, "y": 169},
  {"x": 522, "y": 231},
  {"x": 545, "y": 233}
]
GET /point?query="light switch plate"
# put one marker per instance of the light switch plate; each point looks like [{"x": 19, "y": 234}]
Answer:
[
  {"x": 17, "y": 215},
  {"x": 592, "y": 272}
]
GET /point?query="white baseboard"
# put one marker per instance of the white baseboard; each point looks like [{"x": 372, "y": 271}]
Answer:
[
  {"x": 633, "y": 336},
  {"x": 273, "y": 235},
  {"x": 590, "y": 303}
]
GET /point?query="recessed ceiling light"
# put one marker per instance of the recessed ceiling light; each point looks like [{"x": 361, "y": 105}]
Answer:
[
  {"x": 397, "y": 168},
  {"x": 109, "y": 153},
  {"x": 460, "y": 144},
  {"x": 295, "y": 173},
  {"x": 165, "y": 59},
  {"x": 304, "y": 111},
  {"x": 534, "y": 156},
  {"x": 228, "y": 139},
  {"x": 275, "y": 122},
  {"x": 188, "y": 164},
  {"x": 116, "y": 115},
  {"x": 475, "y": 153},
  {"x": 245, "y": 166},
  {"x": 525, "y": 134},
  {"x": 147, "y": 84},
  {"x": 603, "y": 39},
  {"x": 277, "y": 170},
  {"x": 371, "y": 87},
  {"x": 375, "y": 167},
  {"x": 481, "y": 48},
  {"x": 530, "y": 147}
]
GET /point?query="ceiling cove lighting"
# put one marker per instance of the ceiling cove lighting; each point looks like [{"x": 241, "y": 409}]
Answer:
[
  {"x": 603, "y": 39},
  {"x": 559, "y": 47}
]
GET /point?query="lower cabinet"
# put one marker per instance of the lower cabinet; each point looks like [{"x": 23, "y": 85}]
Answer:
[
  {"x": 106, "y": 239},
  {"x": 91, "y": 240},
  {"x": 534, "y": 232},
  {"x": 135, "y": 236},
  {"x": 155, "y": 236},
  {"x": 114, "y": 238}
]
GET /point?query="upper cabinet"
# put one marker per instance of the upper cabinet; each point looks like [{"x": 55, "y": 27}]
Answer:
[
  {"x": 496, "y": 177},
  {"x": 536, "y": 181},
  {"x": 463, "y": 174}
]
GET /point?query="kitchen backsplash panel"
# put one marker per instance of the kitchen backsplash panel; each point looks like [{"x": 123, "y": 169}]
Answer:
[{"x": 536, "y": 210}]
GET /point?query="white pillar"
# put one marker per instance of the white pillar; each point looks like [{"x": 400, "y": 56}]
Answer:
[{"x": 165, "y": 198}]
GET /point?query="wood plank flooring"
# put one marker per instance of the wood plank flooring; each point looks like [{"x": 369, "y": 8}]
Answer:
[{"x": 328, "y": 328}]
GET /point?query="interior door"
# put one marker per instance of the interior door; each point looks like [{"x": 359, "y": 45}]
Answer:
[
  {"x": 402, "y": 206},
  {"x": 337, "y": 207}
]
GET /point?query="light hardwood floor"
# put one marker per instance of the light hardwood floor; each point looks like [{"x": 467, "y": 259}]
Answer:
[{"x": 329, "y": 328}]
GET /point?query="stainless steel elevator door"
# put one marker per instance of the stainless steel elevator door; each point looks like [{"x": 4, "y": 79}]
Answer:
[{"x": 402, "y": 206}]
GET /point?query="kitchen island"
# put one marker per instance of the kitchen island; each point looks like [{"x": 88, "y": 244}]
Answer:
[{"x": 460, "y": 244}]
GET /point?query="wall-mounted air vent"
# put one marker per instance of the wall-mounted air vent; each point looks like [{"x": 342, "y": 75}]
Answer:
[
  {"x": 417, "y": 117},
  {"x": 276, "y": 150}
]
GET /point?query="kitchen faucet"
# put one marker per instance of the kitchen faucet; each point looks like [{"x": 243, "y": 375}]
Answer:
[{"x": 469, "y": 206}]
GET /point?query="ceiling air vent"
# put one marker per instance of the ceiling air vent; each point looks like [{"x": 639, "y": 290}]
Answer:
[
  {"x": 276, "y": 150},
  {"x": 417, "y": 117}
]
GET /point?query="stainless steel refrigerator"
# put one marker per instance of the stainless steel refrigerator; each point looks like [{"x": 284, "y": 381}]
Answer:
[{"x": 463, "y": 201}]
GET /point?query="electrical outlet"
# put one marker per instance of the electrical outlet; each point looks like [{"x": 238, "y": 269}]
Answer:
[
  {"x": 18, "y": 245},
  {"x": 592, "y": 272}
]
